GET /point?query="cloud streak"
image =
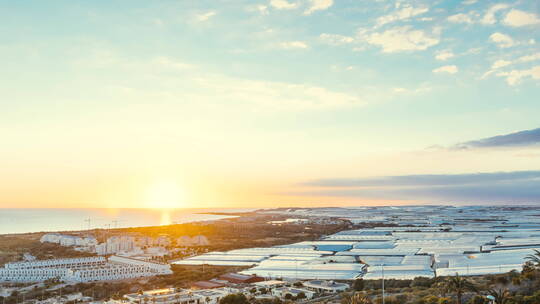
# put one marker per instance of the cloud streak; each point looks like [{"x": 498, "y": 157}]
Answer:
[
  {"x": 495, "y": 187},
  {"x": 427, "y": 179},
  {"x": 516, "y": 139}
]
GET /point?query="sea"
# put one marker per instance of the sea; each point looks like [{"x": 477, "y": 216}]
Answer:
[{"x": 24, "y": 220}]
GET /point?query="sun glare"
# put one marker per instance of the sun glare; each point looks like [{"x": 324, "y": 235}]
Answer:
[{"x": 165, "y": 195}]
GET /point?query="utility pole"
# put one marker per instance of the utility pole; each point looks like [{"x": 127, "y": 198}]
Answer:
[
  {"x": 88, "y": 220},
  {"x": 382, "y": 268},
  {"x": 296, "y": 268}
]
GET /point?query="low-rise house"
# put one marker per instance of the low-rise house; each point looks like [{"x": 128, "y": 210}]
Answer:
[
  {"x": 322, "y": 286},
  {"x": 82, "y": 269},
  {"x": 293, "y": 292},
  {"x": 271, "y": 284},
  {"x": 180, "y": 296}
]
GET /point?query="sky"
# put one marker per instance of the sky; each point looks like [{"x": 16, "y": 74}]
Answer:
[{"x": 268, "y": 103}]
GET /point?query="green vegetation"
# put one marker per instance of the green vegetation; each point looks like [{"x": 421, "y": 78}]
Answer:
[
  {"x": 510, "y": 288},
  {"x": 12, "y": 248},
  {"x": 237, "y": 298}
]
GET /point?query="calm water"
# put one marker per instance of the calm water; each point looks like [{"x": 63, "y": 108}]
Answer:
[{"x": 34, "y": 220}]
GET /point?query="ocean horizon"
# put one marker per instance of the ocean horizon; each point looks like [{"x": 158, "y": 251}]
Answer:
[{"x": 26, "y": 220}]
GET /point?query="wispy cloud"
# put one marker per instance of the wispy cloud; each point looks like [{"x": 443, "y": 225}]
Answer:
[
  {"x": 293, "y": 45},
  {"x": 490, "y": 15},
  {"x": 335, "y": 39},
  {"x": 502, "y": 40},
  {"x": 516, "y": 139},
  {"x": 318, "y": 5},
  {"x": 404, "y": 13},
  {"x": 401, "y": 38},
  {"x": 448, "y": 69},
  {"x": 462, "y": 18},
  {"x": 283, "y": 4},
  {"x": 514, "y": 77},
  {"x": 205, "y": 16},
  {"x": 444, "y": 55},
  {"x": 492, "y": 187},
  {"x": 426, "y": 179}
]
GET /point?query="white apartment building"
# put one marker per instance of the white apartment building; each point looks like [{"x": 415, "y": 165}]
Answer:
[
  {"x": 116, "y": 244},
  {"x": 181, "y": 296},
  {"x": 81, "y": 269},
  {"x": 58, "y": 263},
  {"x": 110, "y": 272},
  {"x": 156, "y": 267},
  {"x": 68, "y": 240}
]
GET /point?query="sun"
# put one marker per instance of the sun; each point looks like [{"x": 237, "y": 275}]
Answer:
[{"x": 165, "y": 194}]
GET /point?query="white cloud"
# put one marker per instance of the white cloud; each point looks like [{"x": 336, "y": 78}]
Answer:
[
  {"x": 283, "y": 4},
  {"x": 450, "y": 69},
  {"x": 259, "y": 8},
  {"x": 335, "y": 39},
  {"x": 293, "y": 45},
  {"x": 500, "y": 63},
  {"x": 503, "y": 63},
  {"x": 502, "y": 40},
  {"x": 275, "y": 95},
  {"x": 402, "y": 14},
  {"x": 528, "y": 58},
  {"x": 460, "y": 18},
  {"x": 514, "y": 77},
  {"x": 489, "y": 17},
  {"x": 399, "y": 39},
  {"x": 205, "y": 16},
  {"x": 444, "y": 55},
  {"x": 423, "y": 88},
  {"x": 318, "y": 5},
  {"x": 518, "y": 18},
  {"x": 469, "y": 2}
]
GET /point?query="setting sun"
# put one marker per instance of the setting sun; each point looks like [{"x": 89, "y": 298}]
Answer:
[{"x": 165, "y": 194}]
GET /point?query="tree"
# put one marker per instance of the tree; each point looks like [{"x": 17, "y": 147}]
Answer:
[
  {"x": 459, "y": 285},
  {"x": 237, "y": 298},
  {"x": 358, "y": 285},
  {"x": 478, "y": 299},
  {"x": 301, "y": 295},
  {"x": 534, "y": 258},
  {"x": 355, "y": 298},
  {"x": 501, "y": 295}
]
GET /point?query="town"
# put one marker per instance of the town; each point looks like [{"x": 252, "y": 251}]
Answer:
[{"x": 373, "y": 244}]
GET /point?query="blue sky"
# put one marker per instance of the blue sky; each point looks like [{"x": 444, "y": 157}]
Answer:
[{"x": 243, "y": 102}]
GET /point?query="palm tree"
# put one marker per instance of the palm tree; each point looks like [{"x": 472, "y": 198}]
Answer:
[
  {"x": 357, "y": 298},
  {"x": 534, "y": 258},
  {"x": 501, "y": 295},
  {"x": 459, "y": 285}
]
